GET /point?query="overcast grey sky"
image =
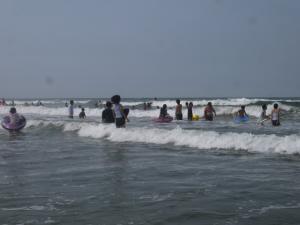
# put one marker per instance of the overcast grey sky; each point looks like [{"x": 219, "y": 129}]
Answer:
[{"x": 138, "y": 48}]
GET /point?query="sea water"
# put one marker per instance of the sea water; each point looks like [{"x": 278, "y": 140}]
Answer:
[{"x": 71, "y": 171}]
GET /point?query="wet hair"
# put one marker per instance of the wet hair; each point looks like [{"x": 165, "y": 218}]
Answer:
[
  {"x": 116, "y": 99},
  {"x": 178, "y": 101},
  {"x": 209, "y": 104},
  {"x": 191, "y": 103},
  {"x": 108, "y": 104},
  {"x": 164, "y": 106},
  {"x": 275, "y": 106},
  {"x": 243, "y": 107},
  {"x": 264, "y": 106},
  {"x": 71, "y": 102},
  {"x": 82, "y": 109},
  {"x": 13, "y": 110}
]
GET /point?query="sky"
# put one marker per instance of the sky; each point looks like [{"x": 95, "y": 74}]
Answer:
[{"x": 149, "y": 48}]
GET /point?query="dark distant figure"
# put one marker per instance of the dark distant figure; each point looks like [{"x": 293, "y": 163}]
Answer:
[
  {"x": 66, "y": 105},
  {"x": 190, "y": 111},
  {"x": 3, "y": 102},
  {"x": 71, "y": 109},
  {"x": 82, "y": 114},
  {"x": 145, "y": 106},
  {"x": 178, "y": 111},
  {"x": 108, "y": 114}
]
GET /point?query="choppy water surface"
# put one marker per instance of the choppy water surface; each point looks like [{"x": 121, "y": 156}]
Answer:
[{"x": 62, "y": 171}]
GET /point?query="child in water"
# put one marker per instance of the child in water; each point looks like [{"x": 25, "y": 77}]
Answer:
[
  {"x": 13, "y": 116},
  {"x": 82, "y": 114},
  {"x": 164, "y": 112},
  {"x": 275, "y": 115},
  {"x": 242, "y": 112},
  {"x": 120, "y": 116},
  {"x": 209, "y": 112},
  {"x": 178, "y": 112}
]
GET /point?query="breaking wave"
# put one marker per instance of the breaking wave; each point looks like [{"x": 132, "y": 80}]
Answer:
[{"x": 266, "y": 143}]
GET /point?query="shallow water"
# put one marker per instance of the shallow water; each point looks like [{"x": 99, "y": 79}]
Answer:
[{"x": 62, "y": 171}]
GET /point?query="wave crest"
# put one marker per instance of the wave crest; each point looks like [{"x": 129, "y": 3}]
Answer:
[{"x": 271, "y": 143}]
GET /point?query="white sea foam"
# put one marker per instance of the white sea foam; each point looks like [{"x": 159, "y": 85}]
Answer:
[
  {"x": 48, "y": 111},
  {"x": 203, "y": 102},
  {"x": 197, "y": 139},
  {"x": 274, "y": 207},
  {"x": 270, "y": 143},
  {"x": 47, "y": 102},
  {"x": 221, "y": 102}
]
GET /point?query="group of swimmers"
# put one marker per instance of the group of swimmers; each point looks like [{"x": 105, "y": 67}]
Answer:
[
  {"x": 274, "y": 116},
  {"x": 114, "y": 112},
  {"x": 4, "y": 103},
  {"x": 210, "y": 112},
  {"x": 12, "y": 103},
  {"x": 117, "y": 115}
]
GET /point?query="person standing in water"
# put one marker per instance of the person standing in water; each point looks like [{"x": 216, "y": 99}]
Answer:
[
  {"x": 108, "y": 114},
  {"x": 71, "y": 109},
  {"x": 120, "y": 116},
  {"x": 242, "y": 112},
  {"x": 178, "y": 111},
  {"x": 190, "y": 111},
  {"x": 82, "y": 114},
  {"x": 263, "y": 116},
  {"x": 275, "y": 115},
  {"x": 209, "y": 112},
  {"x": 163, "y": 112}
]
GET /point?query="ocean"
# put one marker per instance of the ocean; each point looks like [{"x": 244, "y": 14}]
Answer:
[{"x": 71, "y": 171}]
